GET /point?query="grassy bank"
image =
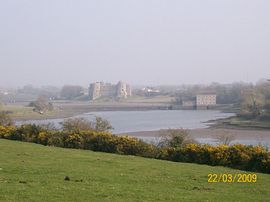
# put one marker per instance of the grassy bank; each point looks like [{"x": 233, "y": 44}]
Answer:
[
  {"x": 22, "y": 112},
  {"x": 242, "y": 123},
  {"x": 31, "y": 172},
  {"x": 64, "y": 109}
]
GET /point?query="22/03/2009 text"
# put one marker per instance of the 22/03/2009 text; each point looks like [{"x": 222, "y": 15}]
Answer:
[{"x": 232, "y": 178}]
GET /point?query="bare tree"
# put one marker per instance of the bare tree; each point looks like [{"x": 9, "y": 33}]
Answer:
[
  {"x": 77, "y": 125},
  {"x": 174, "y": 138},
  {"x": 82, "y": 124},
  {"x": 101, "y": 124},
  {"x": 225, "y": 138}
]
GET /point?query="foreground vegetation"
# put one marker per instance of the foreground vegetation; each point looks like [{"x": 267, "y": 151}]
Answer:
[
  {"x": 79, "y": 134},
  {"x": 31, "y": 172}
]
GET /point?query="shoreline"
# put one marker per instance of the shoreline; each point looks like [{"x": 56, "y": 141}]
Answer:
[
  {"x": 70, "y": 109},
  {"x": 66, "y": 110}
]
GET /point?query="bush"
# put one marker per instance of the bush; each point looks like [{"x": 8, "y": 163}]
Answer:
[
  {"x": 8, "y": 132},
  {"x": 72, "y": 140},
  {"x": 43, "y": 138},
  {"x": 133, "y": 146},
  {"x": 252, "y": 158},
  {"x": 29, "y": 132},
  {"x": 56, "y": 139}
]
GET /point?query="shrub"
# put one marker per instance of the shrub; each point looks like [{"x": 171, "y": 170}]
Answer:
[
  {"x": 29, "y": 132},
  {"x": 43, "y": 138},
  {"x": 102, "y": 141},
  {"x": 8, "y": 132},
  {"x": 133, "y": 146},
  {"x": 56, "y": 139},
  {"x": 252, "y": 158},
  {"x": 72, "y": 140},
  {"x": 218, "y": 155}
]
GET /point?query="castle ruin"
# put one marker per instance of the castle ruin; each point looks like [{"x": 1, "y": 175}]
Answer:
[{"x": 101, "y": 89}]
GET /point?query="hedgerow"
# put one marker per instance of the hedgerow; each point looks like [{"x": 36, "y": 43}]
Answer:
[{"x": 251, "y": 158}]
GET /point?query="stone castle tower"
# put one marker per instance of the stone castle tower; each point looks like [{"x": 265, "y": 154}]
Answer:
[{"x": 101, "y": 89}]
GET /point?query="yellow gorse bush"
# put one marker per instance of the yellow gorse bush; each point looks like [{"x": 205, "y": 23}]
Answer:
[{"x": 5, "y": 131}]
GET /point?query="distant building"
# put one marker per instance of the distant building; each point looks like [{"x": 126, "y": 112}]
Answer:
[
  {"x": 200, "y": 101},
  {"x": 101, "y": 89},
  {"x": 206, "y": 100}
]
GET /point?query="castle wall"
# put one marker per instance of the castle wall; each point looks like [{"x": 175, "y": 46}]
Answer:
[
  {"x": 107, "y": 90},
  {"x": 100, "y": 89}
]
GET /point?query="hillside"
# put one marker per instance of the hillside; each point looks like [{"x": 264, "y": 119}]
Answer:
[{"x": 30, "y": 172}]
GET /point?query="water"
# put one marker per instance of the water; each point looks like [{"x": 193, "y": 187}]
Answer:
[{"x": 134, "y": 121}]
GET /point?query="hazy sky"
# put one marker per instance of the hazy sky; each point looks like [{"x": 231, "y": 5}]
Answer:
[{"x": 139, "y": 41}]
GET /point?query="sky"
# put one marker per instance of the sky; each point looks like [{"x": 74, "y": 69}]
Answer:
[{"x": 142, "y": 42}]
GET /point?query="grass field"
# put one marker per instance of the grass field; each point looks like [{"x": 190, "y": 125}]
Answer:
[
  {"x": 22, "y": 112},
  {"x": 31, "y": 172}
]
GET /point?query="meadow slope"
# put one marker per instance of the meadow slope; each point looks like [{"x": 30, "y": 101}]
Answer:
[{"x": 31, "y": 172}]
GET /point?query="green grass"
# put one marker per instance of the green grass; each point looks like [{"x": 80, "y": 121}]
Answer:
[
  {"x": 31, "y": 172},
  {"x": 20, "y": 112}
]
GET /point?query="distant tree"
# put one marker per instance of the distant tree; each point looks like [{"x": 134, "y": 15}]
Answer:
[
  {"x": 174, "y": 138},
  {"x": 82, "y": 124},
  {"x": 226, "y": 94},
  {"x": 253, "y": 103},
  {"x": 28, "y": 89},
  {"x": 229, "y": 94},
  {"x": 48, "y": 126},
  {"x": 70, "y": 92},
  {"x": 101, "y": 124},
  {"x": 41, "y": 104},
  {"x": 264, "y": 89},
  {"x": 184, "y": 95},
  {"x": 225, "y": 138},
  {"x": 77, "y": 124}
]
